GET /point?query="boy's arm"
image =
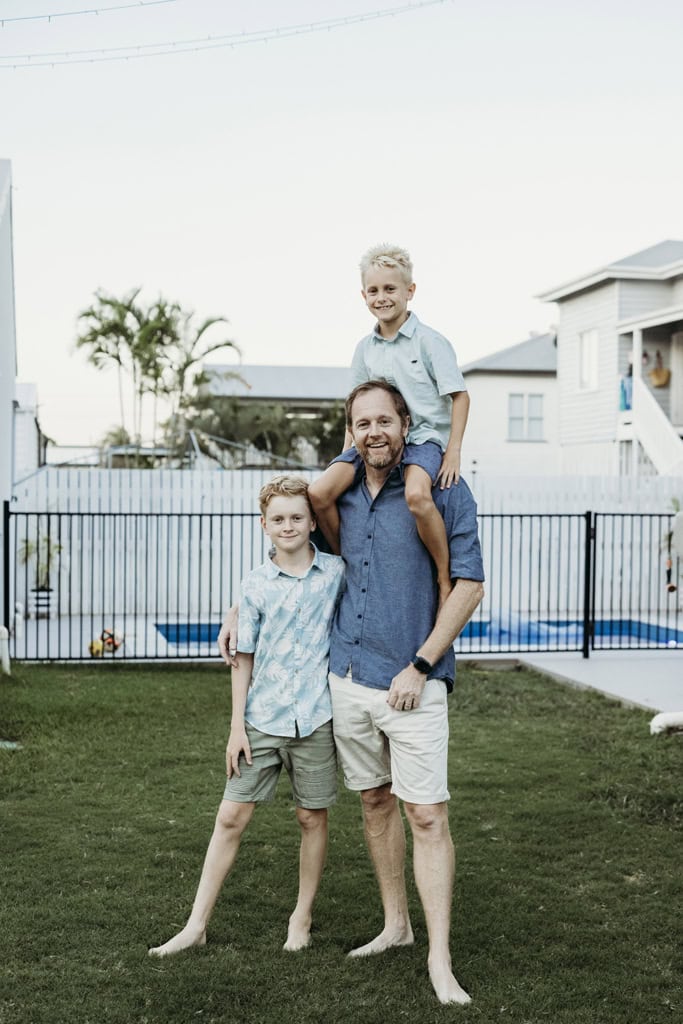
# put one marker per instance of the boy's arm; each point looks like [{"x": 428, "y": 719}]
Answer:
[
  {"x": 237, "y": 741},
  {"x": 450, "y": 464}
]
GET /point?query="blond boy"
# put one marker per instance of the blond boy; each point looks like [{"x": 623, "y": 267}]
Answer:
[
  {"x": 281, "y": 708},
  {"x": 421, "y": 363}
]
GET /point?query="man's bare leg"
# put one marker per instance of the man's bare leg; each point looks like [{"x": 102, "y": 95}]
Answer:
[
  {"x": 434, "y": 866},
  {"x": 386, "y": 840},
  {"x": 311, "y": 863},
  {"x": 231, "y": 821}
]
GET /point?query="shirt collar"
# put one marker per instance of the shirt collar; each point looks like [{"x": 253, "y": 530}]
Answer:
[
  {"x": 407, "y": 329},
  {"x": 273, "y": 570}
]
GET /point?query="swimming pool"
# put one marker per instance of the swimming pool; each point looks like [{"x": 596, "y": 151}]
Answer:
[{"x": 491, "y": 633}]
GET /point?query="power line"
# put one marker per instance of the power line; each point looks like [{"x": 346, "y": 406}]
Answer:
[
  {"x": 91, "y": 10},
  {"x": 196, "y": 45}
]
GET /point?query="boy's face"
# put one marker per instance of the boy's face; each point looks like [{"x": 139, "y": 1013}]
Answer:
[
  {"x": 288, "y": 522},
  {"x": 387, "y": 296}
]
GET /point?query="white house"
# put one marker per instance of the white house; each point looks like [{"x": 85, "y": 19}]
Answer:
[
  {"x": 620, "y": 365},
  {"x": 513, "y": 424}
]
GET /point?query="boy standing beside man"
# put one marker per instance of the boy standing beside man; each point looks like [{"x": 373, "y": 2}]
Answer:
[
  {"x": 281, "y": 708},
  {"x": 421, "y": 363}
]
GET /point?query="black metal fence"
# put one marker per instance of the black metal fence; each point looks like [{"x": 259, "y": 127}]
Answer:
[{"x": 155, "y": 586}]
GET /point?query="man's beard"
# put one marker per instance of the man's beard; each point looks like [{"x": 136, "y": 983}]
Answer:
[{"x": 380, "y": 458}]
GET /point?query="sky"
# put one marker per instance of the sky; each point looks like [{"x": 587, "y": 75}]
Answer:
[{"x": 509, "y": 145}]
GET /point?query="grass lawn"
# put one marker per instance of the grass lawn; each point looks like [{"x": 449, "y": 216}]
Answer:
[{"x": 566, "y": 815}]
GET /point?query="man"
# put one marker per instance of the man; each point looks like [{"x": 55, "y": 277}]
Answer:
[{"x": 392, "y": 662}]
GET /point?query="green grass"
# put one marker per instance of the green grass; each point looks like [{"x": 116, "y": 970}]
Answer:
[{"x": 566, "y": 815}]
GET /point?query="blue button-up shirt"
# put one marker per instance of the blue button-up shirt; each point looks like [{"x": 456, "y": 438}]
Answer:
[
  {"x": 421, "y": 363},
  {"x": 389, "y": 605},
  {"x": 285, "y": 622}
]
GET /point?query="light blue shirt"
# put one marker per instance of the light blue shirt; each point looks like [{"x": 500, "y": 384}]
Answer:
[
  {"x": 421, "y": 363},
  {"x": 285, "y": 622}
]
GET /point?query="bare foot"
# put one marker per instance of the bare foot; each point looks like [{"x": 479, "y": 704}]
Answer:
[
  {"x": 385, "y": 940},
  {"x": 446, "y": 987},
  {"x": 186, "y": 938},
  {"x": 298, "y": 934}
]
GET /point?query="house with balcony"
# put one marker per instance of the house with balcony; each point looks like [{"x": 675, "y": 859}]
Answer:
[{"x": 620, "y": 366}]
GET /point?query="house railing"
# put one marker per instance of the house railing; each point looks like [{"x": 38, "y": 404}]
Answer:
[
  {"x": 655, "y": 431},
  {"x": 156, "y": 585}
]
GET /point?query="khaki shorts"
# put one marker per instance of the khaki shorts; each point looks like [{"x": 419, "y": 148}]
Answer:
[
  {"x": 377, "y": 744},
  {"x": 310, "y": 762}
]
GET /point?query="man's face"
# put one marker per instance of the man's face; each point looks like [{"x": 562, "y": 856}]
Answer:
[
  {"x": 378, "y": 431},
  {"x": 387, "y": 296}
]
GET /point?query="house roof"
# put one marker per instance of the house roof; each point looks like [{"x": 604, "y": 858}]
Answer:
[
  {"x": 279, "y": 383},
  {"x": 537, "y": 354},
  {"x": 657, "y": 263}
]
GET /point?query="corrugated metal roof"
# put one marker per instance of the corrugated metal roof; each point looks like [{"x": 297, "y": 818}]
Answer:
[
  {"x": 537, "y": 354},
  {"x": 275, "y": 383}
]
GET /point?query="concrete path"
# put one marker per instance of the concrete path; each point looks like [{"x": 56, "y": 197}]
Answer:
[{"x": 646, "y": 679}]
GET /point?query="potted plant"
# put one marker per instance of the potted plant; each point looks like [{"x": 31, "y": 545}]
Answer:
[{"x": 43, "y": 555}]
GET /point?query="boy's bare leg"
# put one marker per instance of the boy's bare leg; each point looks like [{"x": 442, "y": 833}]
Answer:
[
  {"x": 324, "y": 492},
  {"x": 430, "y": 525},
  {"x": 311, "y": 863},
  {"x": 231, "y": 821},
  {"x": 434, "y": 866},
  {"x": 386, "y": 840}
]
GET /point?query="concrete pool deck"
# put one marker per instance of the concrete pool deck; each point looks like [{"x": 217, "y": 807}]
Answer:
[{"x": 647, "y": 679}]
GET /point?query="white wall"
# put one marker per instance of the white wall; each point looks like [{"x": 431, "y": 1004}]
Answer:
[
  {"x": 8, "y": 359},
  {"x": 486, "y": 436},
  {"x": 588, "y": 418}
]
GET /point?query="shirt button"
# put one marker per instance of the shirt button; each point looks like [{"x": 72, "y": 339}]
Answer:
[
  {"x": 360, "y": 616},
  {"x": 366, "y": 563},
  {"x": 369, "y": 536},
  {"x": 362, "y": 590},
  {"x": 356, "y": 641}
]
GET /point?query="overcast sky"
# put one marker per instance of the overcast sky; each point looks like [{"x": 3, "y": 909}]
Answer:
[{"x": 509, "y": 144}]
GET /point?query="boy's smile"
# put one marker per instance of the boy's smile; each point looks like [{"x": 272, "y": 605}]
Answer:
[{"x": 387, "y": 296}]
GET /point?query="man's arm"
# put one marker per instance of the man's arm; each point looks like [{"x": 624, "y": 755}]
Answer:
[
  {"x": 406, "y": 688},
  {"x": 227, "y": 638}
]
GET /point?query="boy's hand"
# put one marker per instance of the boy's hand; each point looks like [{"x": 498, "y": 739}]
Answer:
[
  {"x": 450, "y": 468},
  {"x": 237, "y": 744},
  {"x": 227, "y": 638}
]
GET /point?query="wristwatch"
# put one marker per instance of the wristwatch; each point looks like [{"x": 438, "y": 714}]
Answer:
[{"x": 422, "y": 665}]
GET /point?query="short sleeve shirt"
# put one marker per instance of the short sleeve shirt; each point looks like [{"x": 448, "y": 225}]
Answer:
[
  {"x": 389, "y": 604},
  {"x": 421, "y": 363},
  {"x": 285, "y": 622}
]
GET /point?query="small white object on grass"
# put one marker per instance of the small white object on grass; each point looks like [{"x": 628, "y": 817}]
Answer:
[
  {"x": 4, "y": 650},
  {"x": 667, "y": 721}
]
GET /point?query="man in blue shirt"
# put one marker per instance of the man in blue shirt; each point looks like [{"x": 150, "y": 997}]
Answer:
[{"x": 392, "y": 663}]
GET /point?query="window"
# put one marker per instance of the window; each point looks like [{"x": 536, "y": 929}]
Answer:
[
  {"x": 525, "y": 417},
  {"x": 588, "y": 361}
]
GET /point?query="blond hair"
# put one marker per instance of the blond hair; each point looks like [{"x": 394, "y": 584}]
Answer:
[
  {"x": 283, "y": 487},
  {"x": 387, "y": 256}
]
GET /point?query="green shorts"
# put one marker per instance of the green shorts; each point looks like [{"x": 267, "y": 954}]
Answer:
[{"x": 310, "y": 761}]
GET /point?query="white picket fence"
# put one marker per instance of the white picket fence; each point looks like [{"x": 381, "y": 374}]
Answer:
[{"x": 54, "y": 489}]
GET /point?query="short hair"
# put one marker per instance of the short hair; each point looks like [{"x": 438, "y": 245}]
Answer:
[
  {"x": 374, "y": 385},
  {"x": 384, "y": 255},
  {"x": 283, "y": 487}
]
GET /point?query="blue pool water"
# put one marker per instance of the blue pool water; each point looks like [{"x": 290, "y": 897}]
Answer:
[{"x": 504, "y": 633}]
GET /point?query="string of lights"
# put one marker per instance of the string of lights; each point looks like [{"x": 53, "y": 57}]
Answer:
[
  {"x": 90, "y": 10},
  {"x": 138, "y": 51}
]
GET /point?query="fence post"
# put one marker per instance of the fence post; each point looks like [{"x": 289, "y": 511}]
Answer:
[
  {"x": 587, "y": 584},
  {"x": 5, "y": 564}
]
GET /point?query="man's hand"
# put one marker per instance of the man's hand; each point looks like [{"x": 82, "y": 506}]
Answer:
[
  {"x": 237, "y": 744},
  {"x": 450, "y": 468},
  {"x": 406, "y": 689},
  {"x": 227, "y": 638}
]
